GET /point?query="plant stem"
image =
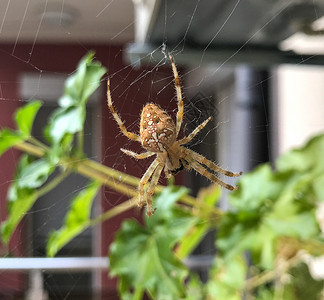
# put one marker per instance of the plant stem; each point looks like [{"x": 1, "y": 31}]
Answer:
[
  {"x": 110, "y": 182},
  {"x": 116, "y": 210},
  {"x": 110, "y": 177},
  {"x": 52, "y": 184},
  {"x": 80, "y": 142},
  {"x": 138, "y": 295},
  {"x": 31, "y": 149},
  {"x": 131, "y": 180},
  {"x": 134, "y": 181},
  {"x": 80, "y": 168},
  {"x": 38, "y": 143},
  {"x": 267, "y": 276}
]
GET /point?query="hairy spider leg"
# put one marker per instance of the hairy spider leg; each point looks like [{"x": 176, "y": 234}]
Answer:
[
  {"x": 122, "y": 127},
  {"x": 138, "y": 155},
  {"x": 188, "y": 138},
  {"x": 154, "y": 181},
  {"x": 179, "y": 96},
  {"x": 211, "y": 165},
  {"x": 146, "y": 177},
  {"x": 212, "y": 177}
]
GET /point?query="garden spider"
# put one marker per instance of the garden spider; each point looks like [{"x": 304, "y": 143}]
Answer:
[{"x": 158, "y": 135}]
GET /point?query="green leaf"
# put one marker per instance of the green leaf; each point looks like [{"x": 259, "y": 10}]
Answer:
[
  {"x": 264, "y": 293},
  {"x": 302, "y": 225},
  {"x": 308, "y": 158},
  {"x": 76, "y": 220},
  {"x": 84, "y": 82},
  {"x": 8, "y": 139},
  {"x": 166, "y": 209},
  {"x": 273, "y": 203},
  {"x": 20, "y": 200},
  {"x": 70, "y": 117},
  {"x": 22, "y": 193},
  {"x": 299, "y": 286},
  {"x": 35, "y": 174},
  {"x": 257, "y": 189},
  {"x": 235, "y": 236},
  {"x": 195, "y": 288},
  {"x": 318, "y": 185},
  {"x": 25, "y": 117},
  {"x": 19, "y": 205},
  {"x": 194, "y": 236},
  {"x": 67, "y": 120},
  {"x": 196, "y": 233},
  {"x": 210, "y": 195},
  {"x": 304, "y": 286},
  {"x": 227, "y": 279},
  {"x": 142, "y": 257}
]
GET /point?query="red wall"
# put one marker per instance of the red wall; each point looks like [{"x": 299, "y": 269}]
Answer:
[{"x": 130, "y": 91}]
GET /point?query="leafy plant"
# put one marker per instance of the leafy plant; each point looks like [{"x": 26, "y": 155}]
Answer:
[
  {"x": 273, "y": 219},
  {"x": 64, "y": 152},
  {"x": 259, "y": 241}
]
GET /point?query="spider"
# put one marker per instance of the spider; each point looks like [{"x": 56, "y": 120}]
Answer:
[{"x": 158, "y": 135}]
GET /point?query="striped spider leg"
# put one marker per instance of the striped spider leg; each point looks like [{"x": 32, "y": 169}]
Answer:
[{"x": 158, "y": 136}]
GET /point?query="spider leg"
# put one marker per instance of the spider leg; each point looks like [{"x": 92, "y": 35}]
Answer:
[
  {"x": 136, "y": 155},
  {"x": 147, "y": 175},
  {"x": 188, "y": 138},
  {"x": 122, "y": 127},
  {"x": 200, "y": 169},
  {"x": 179, "y": 96},
  {"x": 154, "y": 181},
  {"x": 204, "y": 161}
]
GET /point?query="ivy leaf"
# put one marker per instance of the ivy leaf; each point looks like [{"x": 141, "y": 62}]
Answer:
[
  {"x": 20, "y": 200},
  {"x": 209, "y": 196},
  {"x": 166, "y": 210},
  {"x": 195, "y": 288},
  {"x": 70, "y": 117},
  {"x": 234, "y": 235},
  {"x": 18, "y": 206},
  {"x": 22, "y": 193},
  {"x": 257, "y": 189},
  {"x": 304, "y": 285},
  {"x": 142, "y": 257},
  {"x": 270, "y": 204},
  {"x": 318, "y": 185},
  {"x": 25, "y": 117},
  {"x": 67, "y": 120},
  {"x": 76, "y": 220},
  {"x": 227, "y": 279},
  {"x": 84, "y": 82},
  {"x": 35, "y": 174},
  {"x": 308, "y": 158},
  {"x": 302, "y": 225},
  {"x": 8, "y": 139}
]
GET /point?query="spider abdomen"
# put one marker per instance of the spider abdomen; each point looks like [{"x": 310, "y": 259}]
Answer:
[{"x": 157, "y": 129}]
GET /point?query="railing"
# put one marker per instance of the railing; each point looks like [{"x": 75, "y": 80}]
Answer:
[
  {"x": 54, "y": 264},
  {"x": 36, "y": 266}
]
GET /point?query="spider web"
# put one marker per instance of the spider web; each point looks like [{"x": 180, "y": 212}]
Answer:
[{"x": 208, "y": 90}]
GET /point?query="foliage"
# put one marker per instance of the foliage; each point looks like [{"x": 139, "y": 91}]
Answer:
[
  {"x": 272, "y": 219},
  {"x": 32, "y": 176},
  {"x": 142, "y": 256},
  {"x": 260, "y": 240},
  {"x": 76, "y": 220},
  {"x": 24, "y": 119}
]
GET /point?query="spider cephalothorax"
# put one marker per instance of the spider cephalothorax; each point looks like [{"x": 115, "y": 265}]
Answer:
[{"x": 158, "y": 135}]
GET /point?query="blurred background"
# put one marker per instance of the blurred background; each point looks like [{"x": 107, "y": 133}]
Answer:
[{"x": 256, "y": 66}]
